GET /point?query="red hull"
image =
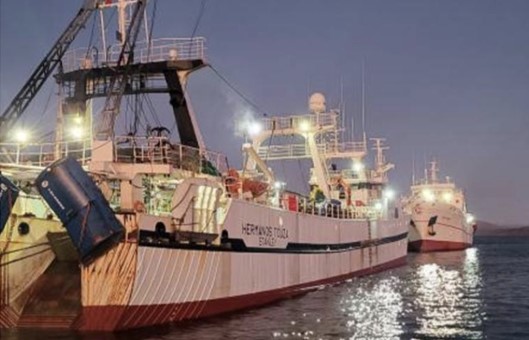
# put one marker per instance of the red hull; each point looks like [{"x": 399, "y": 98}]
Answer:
[
  {"x": 109, "y": 318},
  {"x": 424, "y": 246}
]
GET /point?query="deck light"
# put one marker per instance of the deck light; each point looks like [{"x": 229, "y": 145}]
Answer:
[
  {"x": 77, "y": 132},
  {"x": 254, "y": 128},
  {"x": 358, "y": 166},
  {"x": 447, "y": 196},
  {"x": 428, "y": 195},
  {"x": 21, "y": 136},
  {"x": 470, "y": 218},
  {"x": 304, "y": 125},
  {"x": 78, "y": 120},
  {"x": 389, "y": 194}
]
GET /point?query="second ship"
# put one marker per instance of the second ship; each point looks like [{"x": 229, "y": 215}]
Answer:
[{"x": 439, "y": 217}]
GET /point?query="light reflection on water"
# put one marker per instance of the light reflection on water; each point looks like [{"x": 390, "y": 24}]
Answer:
[
  {"x": 447, "y": 301},
  {"x": 372, "y": 312},
  {"x": 436, "y": 296},
  {"x": 440, "y": 301}
]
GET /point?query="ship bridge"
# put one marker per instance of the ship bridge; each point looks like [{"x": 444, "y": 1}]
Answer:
[{"x": 321, "y": 134}]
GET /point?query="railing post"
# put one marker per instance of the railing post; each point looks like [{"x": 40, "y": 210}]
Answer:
[
  {"x": 201, "y": 156},
  {"x": 18, "y": 153},
  {"x": 180, "y": 156},
  {"x": 40, "y": 155}
]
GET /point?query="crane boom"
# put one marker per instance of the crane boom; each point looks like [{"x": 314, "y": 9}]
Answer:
[{"x": 32, "y": 86}]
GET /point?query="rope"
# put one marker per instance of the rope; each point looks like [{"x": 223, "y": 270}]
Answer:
[
  {"x": 4, "y": 264},
  {"x": 199, "y": 18},
  {"x": 62, "y": 239},
  {"x": 153, "y": 16},
  {"x": 90, "y": 40},
  {"x": 239, "y": 93}
]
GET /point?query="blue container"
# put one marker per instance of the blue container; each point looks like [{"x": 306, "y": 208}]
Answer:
[
  {"x": 8, "y": 196},
  {"x": 81, "y": 207}
]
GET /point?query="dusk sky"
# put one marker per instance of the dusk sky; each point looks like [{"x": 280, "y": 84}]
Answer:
[{"x": 446, "y": 79}]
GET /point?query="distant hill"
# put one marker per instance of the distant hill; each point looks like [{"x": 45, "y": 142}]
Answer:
[{"x": 490, "y": 229}]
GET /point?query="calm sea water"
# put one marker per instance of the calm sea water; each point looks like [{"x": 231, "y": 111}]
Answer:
[{"x": 480, "y": 293}]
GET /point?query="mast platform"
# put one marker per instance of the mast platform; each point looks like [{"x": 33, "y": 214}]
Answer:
[
  {"x": 85, "y": 84},
  {"x": 87, "y": 73}
]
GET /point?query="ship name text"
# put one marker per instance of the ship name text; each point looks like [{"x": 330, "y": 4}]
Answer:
[{"x": 268, "y": 235}]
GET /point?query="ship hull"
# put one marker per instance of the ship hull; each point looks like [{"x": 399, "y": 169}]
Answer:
[
  {"x": 25, "y": 254},
  {"x": 147, "y": 283},
  {"x": 425, "y": 246},
  {"x": 439, "y": 227},
  {"x": 125, "y": 317},
  {"x": 265, "y": 255}
]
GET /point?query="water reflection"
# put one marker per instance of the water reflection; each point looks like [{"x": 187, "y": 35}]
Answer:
[
  {"x": 373, "y": 312},
  {"x": 438, "y": 295},
  {"x": 447, "y": 299}
]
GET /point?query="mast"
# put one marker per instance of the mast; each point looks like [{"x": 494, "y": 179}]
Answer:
[
  {"x": 433, "y": 171},
  {"x": 119, "y": 81},
  {"x": 363, "y": 104},
  {"x": 413, "y": 169},
  {"x": 381, "y": 166},
  {"x": 122, "y": 22},
  {"x": 59, "y": 132}
]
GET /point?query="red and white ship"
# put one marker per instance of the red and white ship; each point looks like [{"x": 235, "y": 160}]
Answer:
[
  {"x": 165, "y": 231},
  {"x": 439, "y": 217}
]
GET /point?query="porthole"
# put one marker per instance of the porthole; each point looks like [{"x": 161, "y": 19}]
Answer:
[{"x": 23, "y": 228}]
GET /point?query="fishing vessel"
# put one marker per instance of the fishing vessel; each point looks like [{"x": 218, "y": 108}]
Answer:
[
  {"x": 25, "y": 252},
  {"x": 439, "y": 217},
  {"x": 160, "y": 231}
]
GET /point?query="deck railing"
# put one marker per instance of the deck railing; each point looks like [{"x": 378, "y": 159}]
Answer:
[
  {"x": 43, "y": 154},
  {"x": 162, "y": 49},
  {"x": 300, "y": 122},
  {"x": 159, "y": 150},
  {"x": 328, "y": 209},
  {"x": 127, "y": 149},
  {"x": 293, "y": 151}
]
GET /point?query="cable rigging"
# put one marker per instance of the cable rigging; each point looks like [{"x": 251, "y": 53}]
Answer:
[
  {"x": 153, "y": 16},
  {"x": 239, "y": 93},
  {"x": 199, "y": 18}
]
